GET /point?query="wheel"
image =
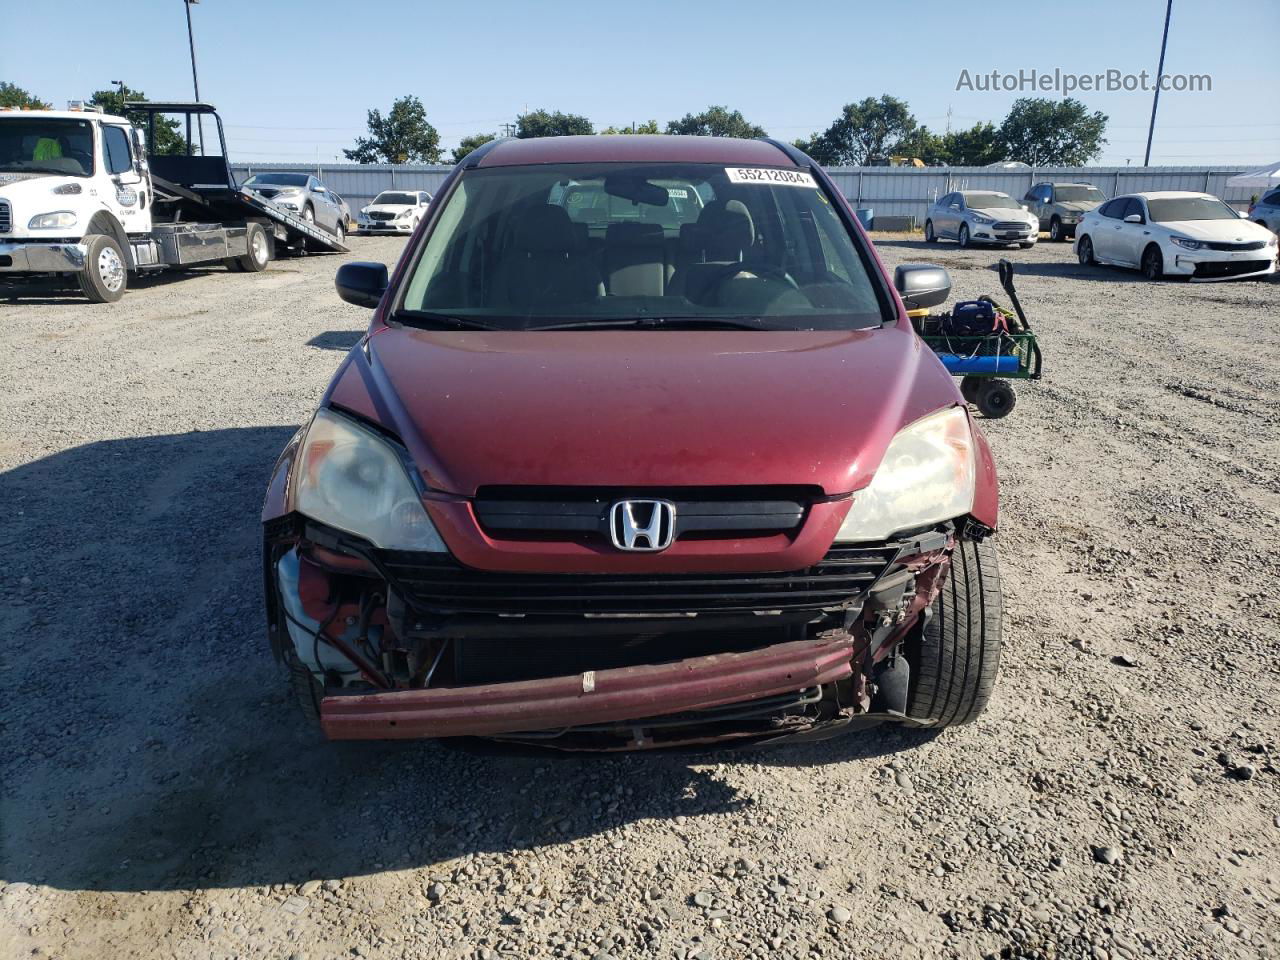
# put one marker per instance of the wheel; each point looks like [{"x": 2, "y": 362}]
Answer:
[
  {"x": 340, "y": 232},
  {"x": 969, "y": 387},
  {"x": 1152, "y": 263},
  {"x": 309, "y": 214},
  {"x": 104, "y": 277},
  {"x": 963, "y": 236},
  {"x": 929, "y": 235},
  {"x": 995, "y": 399},
  {"x": 1084, "y": 251},
  {"x": 1055, "y": 230},
  {"x": 954, "y": 658},
  {"x": 258, "y": 255}
]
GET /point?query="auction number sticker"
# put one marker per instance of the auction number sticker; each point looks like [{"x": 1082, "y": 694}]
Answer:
[{"x": 765, "y": 175}]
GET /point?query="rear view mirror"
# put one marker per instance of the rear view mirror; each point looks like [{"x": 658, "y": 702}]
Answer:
[
  {"x": 921, "y": 284},
  {"x": 636, "y": 189},
  {"x": 362, "y": 283}
]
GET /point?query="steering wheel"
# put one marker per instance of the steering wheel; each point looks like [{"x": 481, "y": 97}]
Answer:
[{"x": 760, "y": 271}]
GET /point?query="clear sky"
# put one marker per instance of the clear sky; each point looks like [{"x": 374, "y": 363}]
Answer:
[{"x": 294, "y": 79}]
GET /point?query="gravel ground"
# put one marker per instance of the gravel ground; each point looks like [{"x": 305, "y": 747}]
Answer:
[{"x": 1120, "y": 798}]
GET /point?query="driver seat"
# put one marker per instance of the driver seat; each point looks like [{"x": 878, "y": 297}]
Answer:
[{"x": 544, "y": 266}]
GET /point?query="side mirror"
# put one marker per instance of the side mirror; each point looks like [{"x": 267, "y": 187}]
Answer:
[
  {"x": 362, "y": 283},
  {"x": 921, "y": 284},
  {"x": 1244, "y": 214},
  {"x": 1133, "y": 218},
  {"x": 318, "y": 189}
]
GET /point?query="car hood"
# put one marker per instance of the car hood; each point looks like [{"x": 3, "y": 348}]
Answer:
[
  {"x": 1077, "y": 206},
  {"x": 644, "y": 408},
  {"x": 1225, "y": 231},
  {"x": 1004, "y": 213}
]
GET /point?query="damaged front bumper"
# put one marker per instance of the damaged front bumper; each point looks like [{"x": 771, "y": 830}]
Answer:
[{"x": 429, "y": 649}]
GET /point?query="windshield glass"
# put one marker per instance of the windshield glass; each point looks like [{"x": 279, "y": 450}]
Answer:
[
  {"x": 1084, "y": 194},
  {"x": 398, "y": 198},
  {"x": 45, "y": 145},
  {"x": 522, "y": 247},
  {"x": 990, "y": 201},
  {"x": 279, "y": 179},
  {"x": 1190, "y": 208}
]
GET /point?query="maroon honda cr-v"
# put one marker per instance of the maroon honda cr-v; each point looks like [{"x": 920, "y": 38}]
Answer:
[{"x": 640, "y": 449}]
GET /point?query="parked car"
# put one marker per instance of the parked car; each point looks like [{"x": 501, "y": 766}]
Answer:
[
  {"x": 1267, "y": 210},
  {"x": 344, "y": 210},
  {"x": 395, "y": 211},
  {"x": 1175, "y": 233},
  {"x": 1059, "y": 206},
  {"x": 301, "y": 193},
  {"x": 617, "y": 484},
  {"x": 981, "y": 216}
]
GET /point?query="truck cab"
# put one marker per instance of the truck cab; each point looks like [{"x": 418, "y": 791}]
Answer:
[{"x": 73, "y": 184}]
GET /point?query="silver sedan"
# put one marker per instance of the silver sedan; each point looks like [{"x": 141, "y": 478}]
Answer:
[{"x": 303, "y": 194}]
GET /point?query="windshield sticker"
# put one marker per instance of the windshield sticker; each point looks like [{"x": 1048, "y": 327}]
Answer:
[
  {"x": 677, "y": 193},
  {"x": 764, "y": 175}
]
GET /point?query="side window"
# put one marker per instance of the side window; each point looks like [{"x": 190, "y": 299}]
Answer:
[
  {"x": 115, "y": 145},
  {"x": 1131, "y": 206},
  {"x": 1046, "y": 194},
  {"x": 1032, "y": 195},
  {"x": 944, "y": 200},
  {"x": 1111, "y": 209},
  {"x": 312, "y": 183},
  {"x": 958, "y": 201},
  {"x": 1273, "y": 199}
]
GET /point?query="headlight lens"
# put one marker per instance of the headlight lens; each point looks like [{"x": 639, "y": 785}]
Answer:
[
  {"x": 979, "y": 218},
  {"x": 288, "y": 192},
  {"x": 350, "y": 478},
  {"x": 46, "y": 221},
  {"x": 1186, "y": 243},
  {"x": 927, "y": 476}
]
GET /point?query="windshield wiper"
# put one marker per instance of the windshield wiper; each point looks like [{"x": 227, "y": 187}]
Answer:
[
  {"x": 428, "y": 321},
  {"x": 658, "y": 323}
]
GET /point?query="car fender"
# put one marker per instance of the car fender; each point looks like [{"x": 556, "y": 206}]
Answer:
[
  {"x": 986, "y": 491},
  {"x": 103, "y": 221}
]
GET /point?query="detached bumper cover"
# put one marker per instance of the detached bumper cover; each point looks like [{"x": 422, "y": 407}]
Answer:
[
  {"x": 606, "y": 696},
  {"x": 42, "y": 257}
]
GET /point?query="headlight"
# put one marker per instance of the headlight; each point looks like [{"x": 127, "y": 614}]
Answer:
[
  {"x": 979, "y": 218},
  {"x": 288, "y": 192},
  {"x": 350, "y": 478},
  {"x": 1271, "y": 240},
  {"x": 404, "y": 214},
  {"x": 47, "y": 221},
  {"x": 927, "y": 476},
  {"x": 1186, "y": 243}
]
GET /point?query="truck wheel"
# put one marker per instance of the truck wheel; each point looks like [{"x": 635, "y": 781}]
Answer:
[
  {"x": 258, "y": 251},
  {"x": 995, "y": 399},
  {"x": 955, "y": 657},
  {"x": 104, "y": 277}
]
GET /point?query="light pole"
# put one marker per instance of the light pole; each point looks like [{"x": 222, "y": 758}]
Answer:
[
  {"x": 1155, "y": 102},
  {"x": 195, "y": 80}
]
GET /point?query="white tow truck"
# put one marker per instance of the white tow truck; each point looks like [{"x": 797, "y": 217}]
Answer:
[{"x": 81, "y": 197}]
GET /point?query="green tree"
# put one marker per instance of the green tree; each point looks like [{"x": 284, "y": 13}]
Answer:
[
  {"x": 167, "y": 138},
  {"x": 975, "y": 147},
  {"x": 402, "y": 136},
  {"x": 864, "y": 132},
  {"x": 649, "y": 126},
  {"x": 1044, "y": 132},
  {"x": 715, "y": 122},
  {"x": 542, "y": 123},
  {"x": 470, "y": 143},
  {"x": 12, "y": 95}
]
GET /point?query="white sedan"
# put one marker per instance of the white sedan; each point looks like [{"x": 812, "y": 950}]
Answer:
[
  {"x": 981, "y": 216},
  {"x": 395, "y": 211},
  {"x": 1174, "y": 233}
]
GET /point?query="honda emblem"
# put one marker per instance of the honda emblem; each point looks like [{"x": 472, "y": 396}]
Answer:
[{"x": 642, "y": 525}]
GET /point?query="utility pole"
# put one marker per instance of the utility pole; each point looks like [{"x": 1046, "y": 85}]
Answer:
[
  {"x": 195, "y": 80},
  {"x": 1155, "y": 101},
  {"x": 120, "y": 84}
]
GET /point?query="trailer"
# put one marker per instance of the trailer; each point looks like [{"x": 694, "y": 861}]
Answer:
[{"x": 81, "y": 196}]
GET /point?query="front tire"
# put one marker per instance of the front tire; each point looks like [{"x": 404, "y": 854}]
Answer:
[
  {"x": 962, "y": 237},
  {"x": 105, "y": 276},
  {"x": 340, "y": 232},
  {"x": 929, "y": 235},
  {"x": 1152, "y": 263},
  {"x": 954, "y": 658}
]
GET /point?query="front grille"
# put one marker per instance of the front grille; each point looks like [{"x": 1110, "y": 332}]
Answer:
[
  {"x": 1012, "y": 225},
  {"x": 438, "y": 584},
  {"x": 379, "y": 215},
  {"x": 1227, "y": 247},
  {"x": 6, "y": 217},
  {"x": 1231, "y": 269}
]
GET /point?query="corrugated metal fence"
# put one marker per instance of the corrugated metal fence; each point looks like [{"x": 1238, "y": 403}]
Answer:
[{"x": 897, "y": 191}]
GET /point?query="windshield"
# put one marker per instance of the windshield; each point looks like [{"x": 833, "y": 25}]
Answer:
[
  {"x": 990, "y": 201},
  {"x": 1084, "y": 194},
  {"x": 398, "y": 198},
  {"x": 524, "y": 247},
  {"x": 1190, "y": 208},
  {"x": 45, "y": 145},
  {"x": 279, "y": 179}
]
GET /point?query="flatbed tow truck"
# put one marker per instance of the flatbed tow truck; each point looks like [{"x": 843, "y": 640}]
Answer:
[{"x": 80, "y": 196}]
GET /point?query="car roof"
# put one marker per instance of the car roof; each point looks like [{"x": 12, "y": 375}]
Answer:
[
  {"x": 631, "y": 148},
  {"x": 1171, "y": 195},
  {"x": 1070, "y": 183},
  {"x": 969, "y": 193}
]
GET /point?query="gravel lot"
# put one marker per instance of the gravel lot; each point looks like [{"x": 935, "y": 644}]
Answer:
[{"x": 1121, "y": 797}]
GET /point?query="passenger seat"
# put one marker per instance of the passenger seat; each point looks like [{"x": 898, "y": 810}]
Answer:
[{"x": 724, "y": 234}]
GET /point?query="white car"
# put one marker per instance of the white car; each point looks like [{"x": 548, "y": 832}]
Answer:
[
  {"x": 395, "y": 211},
  {"x": 981, "y": 216},
  {"x": 1175, "y": 233}
]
